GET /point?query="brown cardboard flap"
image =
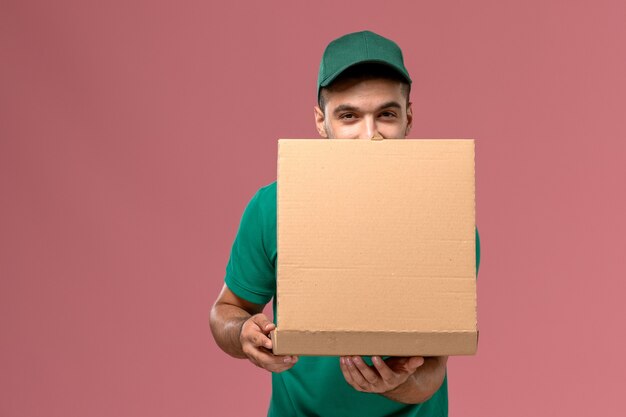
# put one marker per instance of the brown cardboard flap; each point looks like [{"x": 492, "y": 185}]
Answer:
[{"x": 329, "y": 343}]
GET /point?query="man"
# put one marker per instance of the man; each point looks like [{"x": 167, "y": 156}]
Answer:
[{"x": 363, "y": 93}]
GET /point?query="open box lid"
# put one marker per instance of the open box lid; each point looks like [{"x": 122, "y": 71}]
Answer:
[{"x": 376, "y": 247}]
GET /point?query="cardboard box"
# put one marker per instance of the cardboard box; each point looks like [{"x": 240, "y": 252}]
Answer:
[{"x": 376, "y": 248}]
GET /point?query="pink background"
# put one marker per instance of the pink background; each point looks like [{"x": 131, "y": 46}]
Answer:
[{"x": 133, "y": 133}]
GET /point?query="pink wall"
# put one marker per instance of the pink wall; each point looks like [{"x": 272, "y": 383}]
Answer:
[{"x": 133, "y": 134}]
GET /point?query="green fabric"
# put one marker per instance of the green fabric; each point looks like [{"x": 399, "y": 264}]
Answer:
[
  {"x": 315, "y": 386},
  {"x": 357, "y": 48}
]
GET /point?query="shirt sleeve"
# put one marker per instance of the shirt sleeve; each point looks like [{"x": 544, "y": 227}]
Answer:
[{"x": 250, "y": 273}]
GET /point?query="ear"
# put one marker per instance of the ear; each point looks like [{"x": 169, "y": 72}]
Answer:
[
  {"x": 409, "y": 118},
  {"x": 319, "y": 122}
]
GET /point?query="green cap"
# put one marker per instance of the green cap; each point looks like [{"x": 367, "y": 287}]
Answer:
[{"x": 359, "y": 48}]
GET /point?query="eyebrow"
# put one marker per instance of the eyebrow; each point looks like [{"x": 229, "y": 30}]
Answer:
[{"x": 349, "y": 107}]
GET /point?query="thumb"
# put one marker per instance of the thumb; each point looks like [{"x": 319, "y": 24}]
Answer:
[
  {"x": 263, "y": 322},
  {"x": 414, "y": 363}
]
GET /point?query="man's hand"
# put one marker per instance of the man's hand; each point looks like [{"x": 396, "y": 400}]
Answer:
[
  {"x": 241, "y": 330},
  {"x": 257, "y": 345},
  {"x": 383, "y": 377},
  {"x": 410, "y": 380}
]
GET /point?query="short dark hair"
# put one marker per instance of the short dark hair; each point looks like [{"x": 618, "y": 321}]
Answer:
[{"x": 365, "y": 72}]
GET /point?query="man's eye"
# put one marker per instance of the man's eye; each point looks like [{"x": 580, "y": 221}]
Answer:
[
  {"x": 347, "y": 116},
  {"x": 388, "y": 114}
]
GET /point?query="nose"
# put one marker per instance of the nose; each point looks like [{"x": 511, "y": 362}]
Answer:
[{"x": 370, "y": 129}]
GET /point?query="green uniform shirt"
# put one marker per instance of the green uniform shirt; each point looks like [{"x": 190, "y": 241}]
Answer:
[{"x": 314, "y": 386}]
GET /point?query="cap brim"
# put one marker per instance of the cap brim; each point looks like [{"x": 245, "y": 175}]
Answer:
[{"x": 337, "y": 73}]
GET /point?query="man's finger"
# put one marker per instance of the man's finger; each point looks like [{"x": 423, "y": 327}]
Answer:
[
  {"x": 280, "y": 367},
  {"x": 385, "y": 371},
  {"x": 414, "y": 363},
  {"x": 346, "y": 372},
  {"x": 252, "y": 334},
  {"x": 367, "y": 372},
  {"x": 262, "y": 341},
  {"x": 267, "y": 359},
  {"x": 405, "y": 365},
  {"x": 357, "y": 377},
  {"x": 263, "y": 322},
  {"x": 287, "y": 363}
]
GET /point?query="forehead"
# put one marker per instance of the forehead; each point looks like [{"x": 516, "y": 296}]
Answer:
[{"x": 364, "y": 91}]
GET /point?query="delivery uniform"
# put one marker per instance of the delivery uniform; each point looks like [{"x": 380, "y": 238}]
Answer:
[{"x": 314, "y": 386}]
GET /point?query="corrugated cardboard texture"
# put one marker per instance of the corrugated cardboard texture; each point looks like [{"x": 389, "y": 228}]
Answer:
[{"x": 376, "y": 247}]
